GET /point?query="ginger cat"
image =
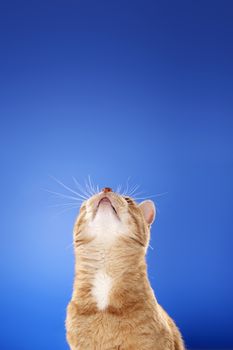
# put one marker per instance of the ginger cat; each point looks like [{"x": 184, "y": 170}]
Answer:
[{"x": 113, "y": 306}]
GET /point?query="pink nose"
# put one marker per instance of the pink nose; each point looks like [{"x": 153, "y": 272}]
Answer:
[{"x": 107, "y": 189}]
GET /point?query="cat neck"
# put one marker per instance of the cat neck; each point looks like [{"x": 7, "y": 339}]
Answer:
[{"x": 111, "y": 278}]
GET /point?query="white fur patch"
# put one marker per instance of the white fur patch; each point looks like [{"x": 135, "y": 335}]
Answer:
[
  {"x": 101, "y": 288},
  {"x": 106, "y": 226}
]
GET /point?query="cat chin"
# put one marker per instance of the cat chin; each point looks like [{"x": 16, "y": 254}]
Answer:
[
  {"x": 105, "y": 226},
  {"x": 105, "y": 207}
]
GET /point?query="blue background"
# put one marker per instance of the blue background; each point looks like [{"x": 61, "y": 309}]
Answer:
[{"x": 116, "y": 89}]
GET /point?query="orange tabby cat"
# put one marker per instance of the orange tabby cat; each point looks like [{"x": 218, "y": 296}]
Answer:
[{"x": 113, "y": 306}]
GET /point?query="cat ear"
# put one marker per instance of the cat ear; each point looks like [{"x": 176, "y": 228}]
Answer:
[{"x": 148, "y": 210}]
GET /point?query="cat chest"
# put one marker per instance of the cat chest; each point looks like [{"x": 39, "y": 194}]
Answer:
[{"x": 101, "y": 288}]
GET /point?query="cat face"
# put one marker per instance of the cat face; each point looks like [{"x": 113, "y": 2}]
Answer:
[{"x": 107, "y": 217}]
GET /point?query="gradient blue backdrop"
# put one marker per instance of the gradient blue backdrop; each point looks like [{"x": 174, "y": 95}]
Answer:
[{"x": 116, "y": 89}]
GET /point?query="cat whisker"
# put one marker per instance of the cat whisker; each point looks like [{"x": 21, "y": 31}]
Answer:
[
  {"x": 151, "y": 196},
  {"x": 133, "y": 190},
  {"x": 137, "y": 194},
  {"x": 92, "y": 186},
  {"x": 70, "y": 245},
  {"x": 127, "y": 187},
  {"x": 118, "y": 190},
  {"x": 63, "y": 205},
  {"x": 85, "y": 194},
  {"x": 67, "y": 187},
  {"x": 65, "y": 210},
  {"x": 61, "y": 195},
  {"x": 159, "y": 194},
  {"x": 88, "y": 188},
  {"x": 95, "y": 188}
]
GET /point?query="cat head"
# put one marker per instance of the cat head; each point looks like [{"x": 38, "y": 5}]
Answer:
[{"x": 108, "y": 217}]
